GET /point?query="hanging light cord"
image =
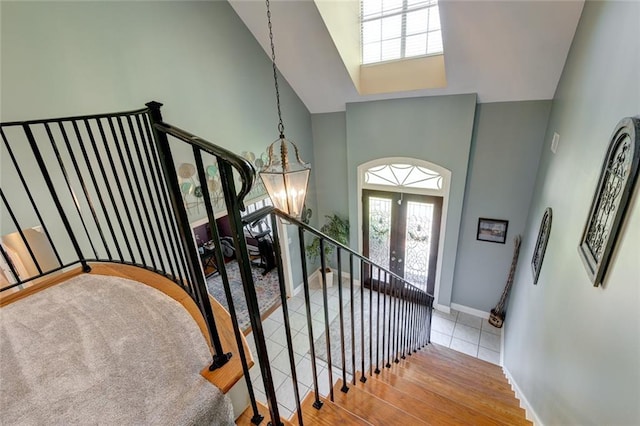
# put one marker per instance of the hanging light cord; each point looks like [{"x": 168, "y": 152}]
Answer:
[{"x": 275, "y": 74}]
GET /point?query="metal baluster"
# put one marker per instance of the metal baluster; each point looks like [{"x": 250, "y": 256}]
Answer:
[
  {"x": 370, "y": 319},
  {"x": 65, "y": 175},
  {"x": 85, "y": 191},
  {"x": 396, "y": 348},
  {"x": 384, "y": 317},
  {"x": 146, "y": 171},
  {"x": 160, "y": 185},
  {"x": 344, "y": 388},
  {"x": 390, "y": 335},
  {"x": 130, "y": 185},
  {"x": 116, "y": 179},
  {"x": 327, "y": 331},
  {"x": 307, "y": 303},
  {"x": 363, "y": 378},
  {"x": 14, "y": 219},
  {"x": 145, "y": 205},
  {"x": 25, "y": 186},
  {"x": 54, "y": 195},
  {"x": 285, "y": 313},
  {"x": 377, "y": 370},
  {"x": 405, "y": 314},
  {"x": 353, "y": 327},
  {"x": 96, "y": 188}
]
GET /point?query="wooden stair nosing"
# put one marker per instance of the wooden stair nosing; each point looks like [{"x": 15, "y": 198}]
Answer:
[
  {"x": 372, "y": 408},
  {"x": 247, "y": 415},
  {"x": 434, "y": 409},
  {"x": 415, "y": 387},
  {"x": 480, "y": 368},
  {"x": 499, "y": 389},
  {"x": 330, "y": 414},
  {"x": 458, "y": 358}
]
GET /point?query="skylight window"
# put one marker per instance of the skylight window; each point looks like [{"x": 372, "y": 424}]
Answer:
[{"x": 398, "y": 29}]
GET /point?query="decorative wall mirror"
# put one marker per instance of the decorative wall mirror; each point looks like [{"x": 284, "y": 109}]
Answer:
[
  {"x": 610, "y": 201},
  {"x": 541, "y": 244}
]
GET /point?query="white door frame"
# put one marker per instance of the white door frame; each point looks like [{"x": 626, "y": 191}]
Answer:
[{"x": 444, "y": 193}]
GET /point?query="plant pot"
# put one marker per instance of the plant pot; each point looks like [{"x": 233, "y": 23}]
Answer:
[{"x": 329, "y": 274}]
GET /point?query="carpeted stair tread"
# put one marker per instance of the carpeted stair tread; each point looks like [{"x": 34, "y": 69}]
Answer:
[
  {"x": 423, "y": 387},
  {"x": 430, "y": 407},
  {"x": 329, "y": 414},
  {"x": 371, "y": 408}
]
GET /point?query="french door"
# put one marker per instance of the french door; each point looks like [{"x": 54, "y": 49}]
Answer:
[{"x": 401, "y": 233}]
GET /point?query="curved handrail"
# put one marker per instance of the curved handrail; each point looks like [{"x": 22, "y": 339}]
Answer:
[{"x": 244, "y": 167}]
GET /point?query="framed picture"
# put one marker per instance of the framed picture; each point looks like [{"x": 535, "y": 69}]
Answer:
[
  {"x": 541, "y": 244},
  {"x": 492, "y": 230},
  {"x": 618, "y": 177}
]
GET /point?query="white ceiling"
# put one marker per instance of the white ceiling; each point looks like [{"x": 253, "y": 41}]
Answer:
[{"x": 508, "y": 50}]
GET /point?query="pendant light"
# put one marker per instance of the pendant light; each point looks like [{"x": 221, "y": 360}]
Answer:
[{"x": 285, "y": 176}]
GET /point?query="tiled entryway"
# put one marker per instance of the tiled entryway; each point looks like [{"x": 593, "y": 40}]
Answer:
[{"x": 468, "y": 334}]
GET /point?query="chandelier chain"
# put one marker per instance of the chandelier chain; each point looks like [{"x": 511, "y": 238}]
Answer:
[{"x": 275, "y": 73}]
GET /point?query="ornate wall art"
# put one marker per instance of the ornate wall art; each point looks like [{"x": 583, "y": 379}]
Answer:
[
  {"x": 541, "y": 244},
  {"x": 610, "y": 201}
]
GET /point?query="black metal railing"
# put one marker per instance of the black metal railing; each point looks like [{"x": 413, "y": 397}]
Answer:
[
  {"x": 106, "y": 189},
  {"x": 90, "y": 189},
  {"x": 399, "y": 314}
]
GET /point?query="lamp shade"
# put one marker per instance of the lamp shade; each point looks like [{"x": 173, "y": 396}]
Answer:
[{"x": 286, "y": 181}]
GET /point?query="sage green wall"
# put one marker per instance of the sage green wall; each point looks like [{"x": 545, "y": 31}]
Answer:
[
  {"x": 436, "y": 129},
  {"x": 505, "y": 152},
  {"x": 330, "y": 160},
  {"x": 198, "y": 58},
  {"x": 573, "y": 349}
]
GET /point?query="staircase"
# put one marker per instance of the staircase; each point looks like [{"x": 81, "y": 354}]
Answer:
[{"x": 435, "y": 386}]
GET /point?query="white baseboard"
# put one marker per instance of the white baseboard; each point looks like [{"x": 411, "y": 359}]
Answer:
[
  {"x": 470, "y": 311},
  {"x": 530, "y": 413},
  {"x": 442, "y": 308}
]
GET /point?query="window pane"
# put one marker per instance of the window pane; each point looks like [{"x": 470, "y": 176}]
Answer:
[
  {"x": 370, "y": 7},
  {"x": 370, "y": 53},
  {"x": 434, "y": 18},
  {"x": 390, "y": 50},
  {"x": 391, "y": 5},
  {"x": 417, "y": 21},
  {"x": 434, "y": 42},
  {"x": 416, "y": 45},
  {"x": 371, "y": 31},
  {"x": 391, "y": 27}
]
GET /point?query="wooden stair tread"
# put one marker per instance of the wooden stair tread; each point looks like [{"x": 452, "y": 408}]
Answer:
[
  {"x": 420, "y": 388},
  {"x": 456, "y": 358},
  {"x": 478, "y": 369},
  {"x": 498, "y": 388},
  {"x": 372, "y": 408},
  {"x": 247, "y": 415},
  {"x": 432, "y": 408},
  {"x": 329, "y": 415}
]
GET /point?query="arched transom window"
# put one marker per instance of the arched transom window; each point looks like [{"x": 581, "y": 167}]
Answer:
[{"x": 404, "y": 175}]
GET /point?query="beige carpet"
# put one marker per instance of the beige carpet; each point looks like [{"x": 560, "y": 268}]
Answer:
[{"x": 104, "y": 350}]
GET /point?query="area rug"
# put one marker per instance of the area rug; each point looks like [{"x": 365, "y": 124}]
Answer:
[
  {"x": 267, "y": 290},
  {"x": 104, "y": 350}
]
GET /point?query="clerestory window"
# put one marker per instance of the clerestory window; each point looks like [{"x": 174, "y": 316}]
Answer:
[{"x": 397, "y": 29}]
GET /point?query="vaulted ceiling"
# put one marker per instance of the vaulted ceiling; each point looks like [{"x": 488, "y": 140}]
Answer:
[{"x": 508, "y": 50}]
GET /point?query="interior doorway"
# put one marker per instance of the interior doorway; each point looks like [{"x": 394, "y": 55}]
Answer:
[{"x": 401, "y": 232}]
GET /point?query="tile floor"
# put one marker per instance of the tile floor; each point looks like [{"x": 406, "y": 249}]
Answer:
[
  {"x": 468, "y": 334},
  {"x": 458, "y": 331}
]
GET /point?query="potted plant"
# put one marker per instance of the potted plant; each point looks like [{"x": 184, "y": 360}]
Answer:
[{"x": 337, "y": 228}]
